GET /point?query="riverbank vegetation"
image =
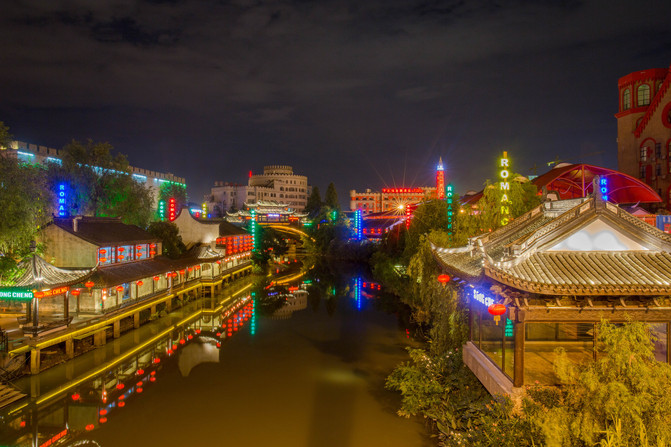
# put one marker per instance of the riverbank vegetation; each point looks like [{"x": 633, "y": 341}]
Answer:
[{"x": 618, "y": 400}]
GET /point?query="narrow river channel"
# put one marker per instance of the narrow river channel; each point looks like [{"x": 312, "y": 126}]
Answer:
[{"x": 296, "y": 359}]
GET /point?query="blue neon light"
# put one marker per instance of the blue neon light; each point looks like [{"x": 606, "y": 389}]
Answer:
[
  {"x": 603, "y": 185},
  {"x": 62, "y": 196}
]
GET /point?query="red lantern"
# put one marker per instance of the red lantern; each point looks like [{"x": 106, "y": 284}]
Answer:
[
  {"x": 102, "y": 420},
  {"x": 444, "y": 279},
  {"x": 119, "y": 386},
  {"x": 89, "y": 284},
  {"x": 497, "y": 310},
  {"x": 103, "y": 260},
  {"x": 156, "y": 278},
  {"x": 152, "y": 253},
  {"x": 119, "y": 289},
  {"x": 103, "y": 412},
  {"x": 138, "y": 247},
  {"x": 190, "y": 269},
  {"x": 76, "y": 292},
  {"x": 120, "y": 249},
  {"x": 140, "y": 371},
  {"x": 219, "y": 261},
  {"x": 181, "y": 272},
  {"x": 139, "y": 283},
  {"x": 90, "y": 427},
  {"x": 75, "y": 396},
  {"x": 197, "y": 267}
]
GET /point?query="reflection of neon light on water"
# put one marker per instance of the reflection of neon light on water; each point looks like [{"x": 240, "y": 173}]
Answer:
[
  {"x": 252, "y": 324},
  {"x": 357, "y": 292}
]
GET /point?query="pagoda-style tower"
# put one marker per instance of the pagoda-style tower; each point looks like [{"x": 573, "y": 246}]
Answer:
[{"x": 440, "y": 179}]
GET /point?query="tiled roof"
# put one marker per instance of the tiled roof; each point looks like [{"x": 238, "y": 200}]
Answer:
[
  {"x": 228, "y": 229},
  {"x": 104, "y": 231},
  {"x": 517, "y": 254},
  {"x": 590, "y": 273},
  {"x": 49, "y": 276}
]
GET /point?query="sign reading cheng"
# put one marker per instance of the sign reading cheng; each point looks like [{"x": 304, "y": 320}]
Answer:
[{"x": 16, "y": 294}]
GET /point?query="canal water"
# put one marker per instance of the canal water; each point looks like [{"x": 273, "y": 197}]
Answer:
[{"x": 295, "y": 359}]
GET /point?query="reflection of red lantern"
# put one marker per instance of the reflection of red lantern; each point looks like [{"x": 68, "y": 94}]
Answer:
[
  {"x": 75, "y": 396},
  {"x": 443, "y": 279},
  {"x": 90, "y": 427},
  {"x": 119, "y": 386},
  {"x": 140, "y": 371},
  {"x": 497, "y": 310}
]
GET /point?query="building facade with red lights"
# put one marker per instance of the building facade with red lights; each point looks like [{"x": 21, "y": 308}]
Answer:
[
  {"x": 644, "y": 129},
  {"x": 389, "y": 199}
]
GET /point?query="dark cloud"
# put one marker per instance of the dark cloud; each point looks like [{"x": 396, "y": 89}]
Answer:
[{"x": 362, "y": 93}]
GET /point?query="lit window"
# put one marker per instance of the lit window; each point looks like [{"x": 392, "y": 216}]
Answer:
[
  {"x": 644, "y": 153},
  {"x": 643, "y": 95},
  {"x": 626, "y": 100}
]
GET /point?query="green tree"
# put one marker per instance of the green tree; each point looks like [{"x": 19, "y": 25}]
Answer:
[
  {"x": 314, "y": 202},
  {"x": 100, "y": 183},
  {"x": 168, "y": 233},
  {"x": 171, "y": 189},
  {"x": 26, "y": 203},
  {"x": 331, "y": 199}
]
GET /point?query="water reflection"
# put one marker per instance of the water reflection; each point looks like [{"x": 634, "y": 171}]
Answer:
[{"x": 72, "y": 412}]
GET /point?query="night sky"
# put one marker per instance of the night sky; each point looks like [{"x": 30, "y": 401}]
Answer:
[{"x": 367, "y": 93}]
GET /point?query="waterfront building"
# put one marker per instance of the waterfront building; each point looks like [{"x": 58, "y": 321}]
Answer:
[
  {"x": 377, "y": 225},
  {"x": 32, "y": 153},
  {"x": 277, "y": 183},
  {"x": 644, "y": 129},
  {"x": 548, "y": 278},
  {"x": 267, "y": 212}
]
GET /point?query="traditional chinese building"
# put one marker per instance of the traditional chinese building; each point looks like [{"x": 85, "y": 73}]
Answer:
[
  {"x": 267, "y": 212},
  {"x": 552, "y": 274}
]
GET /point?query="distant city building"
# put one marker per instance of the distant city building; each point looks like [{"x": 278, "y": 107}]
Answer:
[
  {"x": 397, "y": 199},
  {"x": 644, "y": 129},
  {"x": 266, "y": 212},
  {"x": 277, "y": 183},
  {"x": 32, "y": 153}
]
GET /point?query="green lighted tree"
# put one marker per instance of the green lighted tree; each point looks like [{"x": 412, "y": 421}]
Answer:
[{"x": 101, "y": 183}]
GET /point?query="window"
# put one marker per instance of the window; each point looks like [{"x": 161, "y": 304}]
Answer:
[
  {"x": 626, "y": 100},
  {"x": 658, "y": 150},
  {"x": 641, "y": 173},
  {"x": 644, "y": 153},
  {"x": 643, "y": 95}
]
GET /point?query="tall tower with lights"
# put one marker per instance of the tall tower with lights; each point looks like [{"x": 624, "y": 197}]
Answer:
[{"x": 440, "y": 179}]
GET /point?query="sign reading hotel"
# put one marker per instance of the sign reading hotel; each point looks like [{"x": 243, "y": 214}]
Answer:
[
  {"x": 16, "y": 294},
  {"x": 504, "y": 186}
]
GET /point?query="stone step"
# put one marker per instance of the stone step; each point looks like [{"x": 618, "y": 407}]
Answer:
[{"x": 9, "y": 395}]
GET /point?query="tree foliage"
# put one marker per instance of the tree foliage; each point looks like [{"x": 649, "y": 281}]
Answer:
[
  {"x": 331, "y": 198},
  {"x": 100, "y": 184},
  {"x": 168, "y": 233},
  {"x": 178, "y": 192},
  {"x": 5, "y": 136},
  {"x": 314, "y": 203},
  {"x": 26, "y": 203}
]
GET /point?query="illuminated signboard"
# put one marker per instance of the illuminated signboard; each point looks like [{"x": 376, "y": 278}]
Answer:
[
  {"x": 161, "y": 210},
  {"x": 504, "y": 186},
  {"x": 252, "y": 226},
  {"x": 440, "y": 179},
  {"x": 62, "y": 196},
  {"x": 482, "y": 298},
  {"x": 16, "y": 294},
  {"x": 204, "y": 209},
  {"x": 52, "y": 292},
  {"x": 358, "y": 230},
  {"x": 603, "y": 188},
  {"x": 509, "y": 328},
  {"x": 172, "y": 209},
  {"x": 403, "y": 190},
  {"x": 449, "y": 193}
]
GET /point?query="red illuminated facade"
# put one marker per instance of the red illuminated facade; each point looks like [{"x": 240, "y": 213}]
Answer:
[
  {"x": 389, "y": 199},
  {"x": 440, "y": 179},
  {"x": 644, "y": 129}
]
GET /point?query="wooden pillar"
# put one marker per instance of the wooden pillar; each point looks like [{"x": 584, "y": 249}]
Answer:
[
  {"x": 168, "y": 305},
  {"x": 70, "y": 348},
  {"x": 35, "y": 361},
  {"x": 117, "y": 328},
  {"x": 136, "y": 320},
  {"x": 152, "y": 309},
  {"x": 66, "y": 308},
  {"x": 100, "y": 338},
  {"x": 518, "y": 333},
  {"x": 36, "y": 309}
]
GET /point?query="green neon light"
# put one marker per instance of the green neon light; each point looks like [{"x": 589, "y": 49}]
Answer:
[{"x": 16, "y": 293}]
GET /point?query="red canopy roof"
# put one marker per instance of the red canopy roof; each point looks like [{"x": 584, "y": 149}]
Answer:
[{"x": 575, "y": 181}]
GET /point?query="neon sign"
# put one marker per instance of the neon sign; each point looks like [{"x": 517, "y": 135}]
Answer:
[
  {"x": 16, "y": 293},
  {"x": 252, "y": 226},
  {"x": 161, "y": 210},
  {"x": 482, "y": 298},
  {"x": 172, "y": 209},
  {"x": 358, "y": 230},
  {"x": 449, "y": 193},
  {"x": 62, "y": 199},
  {"x": 603, "y": 188},
  {"x": 204, "y": 209},
  {"x": 504, "y": 186},
  {"x": 440, "y": 179}
]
